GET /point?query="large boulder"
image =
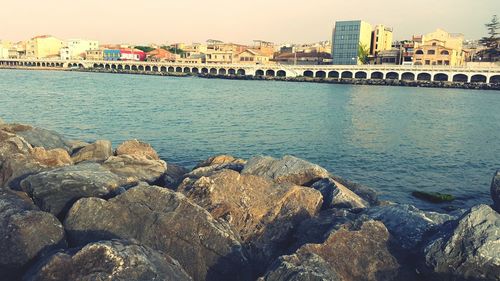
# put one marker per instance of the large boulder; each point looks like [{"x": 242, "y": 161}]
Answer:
[
  {"x": 37, "y": 136},
  {"x": 56, "y": 190},
  {"x": 288, "y": 169},
  {"x": 262, "y": 212},
  {"x": 214, "y": 164},
  {"x": 25, "y": 233},
  {"x": 353, "y": 252},
  {"x": 336, "y": 195},
  {"x": 466, "y": 249},
  {"x": 136, "y": 168},
  {"x": 173, "y": 176},
  {"x": 495, "y": 191},
  {"x": 97, "y": 151},
  {"x": 365, "y": 192},
  {"x": 166, "y": 221},
  {"x": 408, "y": 225},
  {"x": 308, "y": 267},
  {"x": 115, "y": 260},
  {"x": 137, "y": 148}
]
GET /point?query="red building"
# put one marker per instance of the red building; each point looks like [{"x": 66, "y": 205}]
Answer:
[{"x": 134, "y": 55}]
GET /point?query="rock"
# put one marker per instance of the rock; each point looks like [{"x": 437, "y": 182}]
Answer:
[
  {"x": 173, "y": 176},
  {"x": 309, "y": 267},
  {"x": 288, "y": 169},
  {"x": 137, "y": 148},
  {"x": 136, "y": 168},
  {"x": 56, "y": 190},
  {"x": 336, "y": 195},
  {"x": 166, "y": 221},
  {"x": 214, "y": 164},
  {"x": 1, "y": 121},
  {"x": 434, "y": 197},
  {"x": 466, "y": 249},
  {"x": 76, "y": 145},
  {"x": 37, "y": 136},
  {"x": 495, "y": 191},
  {"x": 25, "y": 233},
  {"x": 362, "y": 191},
  {"x": 354, "y": 252},
  {"x": 98, "y": 151},
  {"x": 407, "y": 224},
  {"x": 109, "y": 260},
  {"x": 262, "y": 212}
]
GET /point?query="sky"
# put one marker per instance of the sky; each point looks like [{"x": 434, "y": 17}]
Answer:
[{"x": 278, "y": 21}]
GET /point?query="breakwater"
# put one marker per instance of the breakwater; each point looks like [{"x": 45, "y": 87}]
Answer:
[{"x": 80, "y": 210}]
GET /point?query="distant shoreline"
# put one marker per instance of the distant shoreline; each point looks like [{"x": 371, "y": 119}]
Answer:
[{"x": 345, "y": 81}]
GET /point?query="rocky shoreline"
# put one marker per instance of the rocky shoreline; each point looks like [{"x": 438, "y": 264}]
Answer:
[
  {"x": 72, "y": 210},
  {"x": 346, "y": 81}
]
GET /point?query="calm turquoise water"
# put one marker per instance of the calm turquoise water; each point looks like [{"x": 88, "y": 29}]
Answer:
[{"x": 394, "y": 139}]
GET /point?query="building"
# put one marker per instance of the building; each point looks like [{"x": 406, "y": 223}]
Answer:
[
  {"x": 111, "y": 54},
  {"x": 440, "y": 48},
  {"x": 303, "y": 58},
  {"x": 381, "y": 39},
  {"x": 132, "y": 55},
  {"x": 97, "y": 54},
  {"x": 160, "y": 55},
  {"x": 219, "y": 56},
  {"x": 388, "y": 57},
  {"x": 250, "y": 56},
  {"x": 44, "y": 46},
  {"x": 348, "y": 38},
  {"x": 4, "y": 49},
  {"x": 76, "y": 49}
]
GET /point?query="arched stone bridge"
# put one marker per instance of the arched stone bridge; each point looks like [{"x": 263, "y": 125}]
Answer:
[{"x": 396, "y": 72}]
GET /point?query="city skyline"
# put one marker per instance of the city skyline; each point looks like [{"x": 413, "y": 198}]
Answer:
[{"x": 153, "y": 21}]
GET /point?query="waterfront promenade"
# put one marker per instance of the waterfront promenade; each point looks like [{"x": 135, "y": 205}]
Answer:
[{"x": 432, "y": 73}]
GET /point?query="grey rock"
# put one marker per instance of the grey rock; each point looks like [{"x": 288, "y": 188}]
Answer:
[
  {"x": 97, "y": 151},
  {"x": 56, "y": 190},
  {"x": 367, "y": 193},
  {"x": 43, "y": 138},
  {"x": 116, "y": 260},
  {"x": 407, "y": 224},
  {"x": 136, "y": 168},
  {"x": 166, "y": 221},
  {"x": 214, "y": 164},
  {"x": 309, "y": 267},
  {"x": 495, "y": 191},
  {"x": 288, "y": 169},
  {"x": 467, "y": 249},
  {"x": 173, "y": 176},
  {"x": 220, "y": 160},
  {"x": 336, "y": 195},
  {"x": 25, "y": 233}
]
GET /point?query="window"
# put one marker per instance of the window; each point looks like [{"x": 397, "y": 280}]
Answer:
[
  {"x": 431, "y": 52},
  {"x": 434, "y": 44},
  {"x": 445, "y": 53},
  {"x": 427, "y": 62},
  {"x": 446, "y": 62},
  {"x": 419, "y": 52},
  {"x": 440, "y": 62}
]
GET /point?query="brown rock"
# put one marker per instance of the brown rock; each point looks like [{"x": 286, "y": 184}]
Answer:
[
  {"x": 219, "y": 160},
  {"x": 98, "y": 151},
  {"x": 138, "y": 149},
  {"x": 136, "y": 168},
  {"x": 262, "y": 212}
]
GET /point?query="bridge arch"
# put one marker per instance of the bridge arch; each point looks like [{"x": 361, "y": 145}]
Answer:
[
  {"x": 231, "y": 71},
  {"x": 392, "y": 75},
  {"x": 171, "y": 69},
  {"x": 440, "y": 77},
  {"x": 424, "y": 76},
  {"x": 460, "y": 78},
  {"x": 148, "y": 68},
  {"x": 377, "y": 75},
  {"x": 346, "y": 75},
  {"x": 107, "y": 66},
  {"x": 52, "y": 64},
  {"x": 80, "y": 65},
  {"x": 134, "y": 67},
  {"x": 113, "y": 66},
  {"x": 281, "y": 73},
  {"x": 241, "y": 72},
  {"x": 259, "y": 72},
  {"x": 120, "y": 66},
  {"x": 195, "y": 70},
  {"x": 478, "y": 78},
  {"x": 155, "y": 68},
  {"x": 178, "y": 69},
  {"x": 308, "y": 73},
  {"x": 222, "y": 71},
  {"x": 213, "y": 70},
  {"x": 333, "y": 74},
  {"x": 163, "y": 69},
  {"x": 204, "y": 70},
  {"x": 408, "y": 76},
  {"x": 360, "y": 75},
  {"x": 270, "y": 73},
  {"x": 186, "y": 70},
  {"x": 141, "y": 67},
  {"x": 495, "y": 79},
  {"x": 320, "y": 74},
  {"x": 38, "y": 64}
]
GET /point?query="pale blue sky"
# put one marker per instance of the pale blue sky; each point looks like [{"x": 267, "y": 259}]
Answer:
[{"x": 280, "y": 21}]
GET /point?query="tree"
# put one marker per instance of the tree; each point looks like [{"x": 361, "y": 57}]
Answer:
[
  {"x": 173, "y": 50},
  {"x": 145, "y": 49},
  {"x": 363, "y": 53},
  {"x": 492, "y": 41}
]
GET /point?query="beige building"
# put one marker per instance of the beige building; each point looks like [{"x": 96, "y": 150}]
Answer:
[
  {"x": 440, "y": 48},
  {"x": 44, "y": 46},
  {"x": 216, "y": 56},
  {"x": 4, "y": 49},
  {"x": 381, "y": 39},
  {"x": 95, "y": 54},
  {"x": 250, "y": 56}
]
